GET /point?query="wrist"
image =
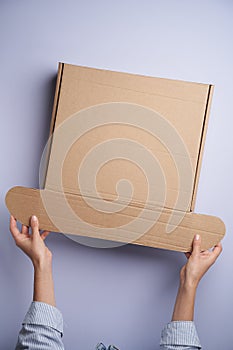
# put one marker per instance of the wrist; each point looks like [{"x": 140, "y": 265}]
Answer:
[
  {"x": 43, "y": 261},
  {"x": 43, "y": 273},
  {"x": 188, "y": 285},
  {"x": 42, "y": 265}
]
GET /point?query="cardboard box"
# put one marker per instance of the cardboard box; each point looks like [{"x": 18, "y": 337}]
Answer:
[{"x": 107, "y": 126}]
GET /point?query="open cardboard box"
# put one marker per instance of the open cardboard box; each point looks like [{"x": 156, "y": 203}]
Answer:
[{"x": 123, "y": 161}]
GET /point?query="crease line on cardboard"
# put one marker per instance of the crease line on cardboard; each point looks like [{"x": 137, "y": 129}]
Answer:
[
  {"x": 135, "y": 204},
  {"x": 141, "y": 91}
]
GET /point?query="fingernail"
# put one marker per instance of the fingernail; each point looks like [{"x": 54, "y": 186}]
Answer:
[
  {"x": 197, "y": 237},
  {"x": 34, "y": 218}
]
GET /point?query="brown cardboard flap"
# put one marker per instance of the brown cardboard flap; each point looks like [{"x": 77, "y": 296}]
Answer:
[{"x": 51, "y": 208}]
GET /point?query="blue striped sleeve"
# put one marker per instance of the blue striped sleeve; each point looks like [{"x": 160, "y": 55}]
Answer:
[
  {"x": 42, "y": 328},
  {"x": 180, "y": 335}
]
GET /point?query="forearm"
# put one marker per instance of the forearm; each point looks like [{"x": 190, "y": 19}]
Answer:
[
  {"x": 43, "y": 284},
  {"x": 184, "y": 305}
]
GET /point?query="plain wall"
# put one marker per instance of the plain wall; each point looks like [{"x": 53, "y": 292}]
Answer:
[{"x": 123, "y": 295}]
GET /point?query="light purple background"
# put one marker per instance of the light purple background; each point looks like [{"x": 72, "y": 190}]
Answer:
[{"x": 124, "y": 295}]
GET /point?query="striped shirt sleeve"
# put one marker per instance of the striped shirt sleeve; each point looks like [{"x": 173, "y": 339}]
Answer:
[
  {"x": 42, "y": 328},
  {"x": 180, "y": 335}
]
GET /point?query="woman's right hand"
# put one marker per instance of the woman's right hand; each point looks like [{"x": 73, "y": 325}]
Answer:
[{"x": 198, "y": 262}]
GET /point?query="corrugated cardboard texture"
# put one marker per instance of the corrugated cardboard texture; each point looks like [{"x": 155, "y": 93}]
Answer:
[{"x": 183, "y": 104}]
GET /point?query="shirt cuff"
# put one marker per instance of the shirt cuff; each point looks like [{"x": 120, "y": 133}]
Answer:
[
  {"x": 181, "y": 333},
  {"x": 44, "y": 314}
]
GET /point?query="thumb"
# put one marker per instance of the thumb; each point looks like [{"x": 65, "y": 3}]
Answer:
[
  {"x": 35, "y": 226},
  {"x": 196, "y": 245}
]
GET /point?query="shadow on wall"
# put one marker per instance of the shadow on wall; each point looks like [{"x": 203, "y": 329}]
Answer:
[{"x": 46, "y": 93}]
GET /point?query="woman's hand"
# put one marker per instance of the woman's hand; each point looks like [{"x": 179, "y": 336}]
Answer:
[
  {"x": 190, "y": 275},
  {"x": 32, "y": 244},
  {"x": 198, "y": 263}
]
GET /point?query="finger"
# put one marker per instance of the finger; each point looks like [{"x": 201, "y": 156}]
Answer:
[
  {"x": 44, "y": 234},
  {"x": 35, "y": 226},
  {"x": 25, "y": 230},
  {"x": 196, "y": 245},
  {"x": 217, "y": 250},
  {"x": 13, "y": 228}
]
